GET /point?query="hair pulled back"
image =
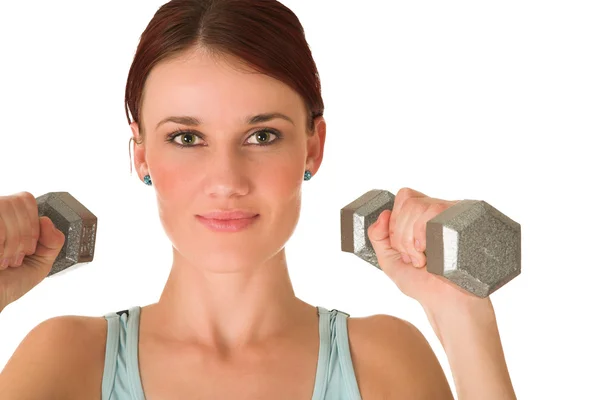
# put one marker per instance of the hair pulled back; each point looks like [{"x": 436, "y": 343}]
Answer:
[{"x": 264, "y": 34}]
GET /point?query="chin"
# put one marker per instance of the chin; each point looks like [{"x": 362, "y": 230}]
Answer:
[{"x": 221, "y": 263}]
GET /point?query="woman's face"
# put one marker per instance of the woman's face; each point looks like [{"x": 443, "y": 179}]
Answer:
[{"x": 228, "y": 163}]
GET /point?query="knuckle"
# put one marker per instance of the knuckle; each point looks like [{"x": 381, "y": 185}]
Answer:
[
  {"x": 419, "y": 206},
  {"x": 438, "y": 207},
  {"x": 27, "y": 200},
  {"x": 25, "y": 196},
  {"x": 404, "y": 193},
  {"x": 28, "y": 208},
  {"x": 410, "y": 201},
  {"x": 415, "y": 204}
]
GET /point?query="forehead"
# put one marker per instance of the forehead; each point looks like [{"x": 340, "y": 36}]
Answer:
[{"x": 214, "y": 88}]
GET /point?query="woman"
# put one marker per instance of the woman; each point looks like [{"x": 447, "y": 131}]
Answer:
[{"x": 227, "y": 120}]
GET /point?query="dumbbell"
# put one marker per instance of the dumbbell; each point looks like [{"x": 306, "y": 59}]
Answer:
[
  {"x": 470, "y": 244},
  {"x": 76, "y": 222}
]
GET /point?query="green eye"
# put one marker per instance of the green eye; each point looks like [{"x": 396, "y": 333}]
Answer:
[
  {"x": 262, "y": 136},
  {"x": 189, "y": 138}
]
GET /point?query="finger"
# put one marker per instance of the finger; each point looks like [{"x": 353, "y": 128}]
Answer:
[
  {"x": 420, "y": 228},
  {"x": 12, "y": 233},
  {"x": 31, "y": 207},
  {"x": 414, "y": 210},
  {"x": 403, "y": 195},
  {"x": 24, "y": 225},
  {"x": 3, "y": 234},
  {"x": 398, "y": 219},
  {"x": 21, "y": 230},
  {"x": 378, "y": 234},
  {"x": 396, "y": 235}
]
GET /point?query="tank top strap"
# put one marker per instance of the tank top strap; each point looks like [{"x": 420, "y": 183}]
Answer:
[
  {"x": 335, "y": 377},
  {"x": 121, "y": 379}
]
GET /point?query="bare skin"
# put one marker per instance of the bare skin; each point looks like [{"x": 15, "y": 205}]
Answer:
[
  {"x": 390, "y": 360},
  {"x": 225, "y": 290},
  {"x": 228, "y": 323},
  {"x": 230, "y": 313},
  {"x": 228, "y": 297}
]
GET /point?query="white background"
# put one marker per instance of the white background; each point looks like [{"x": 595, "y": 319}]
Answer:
[{"x": 466, "y": 99}]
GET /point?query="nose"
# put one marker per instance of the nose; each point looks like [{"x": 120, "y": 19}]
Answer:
[{"x": 226, "y": 175}]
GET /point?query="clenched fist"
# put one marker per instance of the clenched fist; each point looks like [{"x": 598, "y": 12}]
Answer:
[{"x": 28, "y": 246}]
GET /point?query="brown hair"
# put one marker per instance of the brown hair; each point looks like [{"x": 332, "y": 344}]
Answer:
[{"x": 264, "y": 34}]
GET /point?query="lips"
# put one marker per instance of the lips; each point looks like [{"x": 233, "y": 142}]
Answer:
[
  {"x": 227, "y": 225},
  {"x": 228, "y": 215}
]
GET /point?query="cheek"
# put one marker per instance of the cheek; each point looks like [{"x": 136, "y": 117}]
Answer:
[
  {"x": 281, "y": 179},
  {"x": 282, "y": 188},
  {"x": 172, "y": 183},
  {"x": 174, "y": 193}
]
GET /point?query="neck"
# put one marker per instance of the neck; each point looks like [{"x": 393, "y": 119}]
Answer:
[{"x": 230, "y": 308}]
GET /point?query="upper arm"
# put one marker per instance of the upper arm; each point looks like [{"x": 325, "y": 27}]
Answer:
[
  {"x": 51, "y": 360},
  {"x": 397, "y": 360}
]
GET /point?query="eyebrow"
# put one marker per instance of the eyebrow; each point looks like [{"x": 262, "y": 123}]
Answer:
[{"x": 251, "y": 120}]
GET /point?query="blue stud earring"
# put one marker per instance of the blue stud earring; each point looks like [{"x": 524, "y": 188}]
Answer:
[{"x": 307, "y": 175}]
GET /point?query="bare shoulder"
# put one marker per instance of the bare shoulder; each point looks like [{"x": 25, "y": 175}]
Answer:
[
  {"x": 63, "y": 355},
  {"x": 392, "y": 359}
]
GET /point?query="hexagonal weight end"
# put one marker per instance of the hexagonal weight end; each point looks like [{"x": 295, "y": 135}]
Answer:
[
  {"x": 475, "y": 246},
  {"x": 76, "y": 222},
  {"x": 356, "y": 218}
]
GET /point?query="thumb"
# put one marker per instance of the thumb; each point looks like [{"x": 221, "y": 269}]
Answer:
[
  {"x": 379, "y": 235},
  {"x": 50, "y": 242}
]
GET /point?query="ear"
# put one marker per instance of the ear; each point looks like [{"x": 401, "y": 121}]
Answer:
[
  {"x": 139, "y": 152},
  {"x": 315, "y": 146}
]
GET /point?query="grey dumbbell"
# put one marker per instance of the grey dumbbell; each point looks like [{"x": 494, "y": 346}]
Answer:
[
  {"x": 76, "y": 222},
  {"x": 471, "y": 243}
]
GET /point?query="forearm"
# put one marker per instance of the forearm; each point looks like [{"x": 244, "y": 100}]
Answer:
[{"x": 470, "y": 337}]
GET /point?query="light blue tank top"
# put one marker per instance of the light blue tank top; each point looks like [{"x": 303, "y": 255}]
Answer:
[{"x": 335, "y": 378}]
